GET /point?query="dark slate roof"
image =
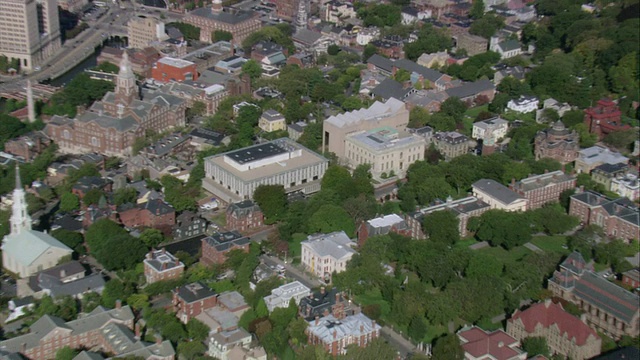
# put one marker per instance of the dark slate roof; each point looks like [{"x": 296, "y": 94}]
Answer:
[
  {"x": 606, "y": 295},
  {"x": 509, "y": 45},
  {"x": 389, "y": 88},
  {"x": 410, "y": 66},
  {"x": 222, "y": 241},
  {"x": 210, "y": 136},
  {"x": 243, "y": 208},
  {"x": 381, "y": 62},
  {"x": 317, "y": 303},
  {"x": 68, "y": 222},
  {"x": 575, "y": 263},
  {"x": 229, "y": 16},
  {"x": 622, "y": 208},
  {"x": 410, "y": 11},
  {"x": 306, "y": 36},
  {"x": 497, "y": 191},
  {"x": 194, "y": 292},
  {"x": 470, "y": 89},
  {"x": 157, "y": 207},
  {"x": 628, "y": 352},
  {"x": 174, "y": 33},
  {"x": 611, "y": 168}
]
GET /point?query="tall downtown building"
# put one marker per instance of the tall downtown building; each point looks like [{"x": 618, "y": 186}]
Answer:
[{"x": 29, "y": 31}]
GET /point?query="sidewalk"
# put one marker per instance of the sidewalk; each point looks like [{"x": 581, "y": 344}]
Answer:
[{"x": 403, "y": 345}]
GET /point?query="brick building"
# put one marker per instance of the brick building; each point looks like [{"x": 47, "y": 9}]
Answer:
[
  {"x": 618, "y": 218},
  {"x": 154, "y": 213},
  {"x": 480, "y": 344},
  {"x": 88, "y": 183},
  {"x": 191, "y": 300},
  {"x": 498, "y": 196},
  {"x": 604, "y": 118},
  {"x": 112, "y": 125},
  {"x": 451, "y": 144},
  {"x": 543, "y": 189},
  {"x": 243, "y": 216},
  {"x": 172, "y": 69},
  {"x": 141, "y": 59},
  {"x": 464, "y": 209},
  {"x": 286, "y": 9},
  {"x": 566, "y": 334},
  {"x": 631, "y": 278},
  {"x": 325, "y": 302},
  {"x": 161, "y": 265},
  {"x": 240, "y": 23},
  {"x": 334, "y": 335},
  {"x": 558, "y": 143},
  {"x": 216, "y": 246},
  {"x": 49, "y": 334},
  {"x": 606, "y": 307},
  {"x": 27, "y": 146},
  {"x": 382, "y": 225}
]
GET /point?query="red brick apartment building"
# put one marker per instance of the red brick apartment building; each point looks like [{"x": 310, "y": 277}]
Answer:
[
  {"x": 171, "y": 69},
  {"x": 240, "y": 23},
  {"x": 243, "y": 216},
  {"x": 191, "y": 300},
  {"x": 336, "y": 334},
  {"x": 543, "y": 189},
  {"x": 604, "y": 118},
  {"x": 631, "y": 278},
  {"x": 153, "y": 213},
  {"x": 619, "y": 218},
  {"x": 216, "y": 246},
  {"x": 161, "y": 265}
]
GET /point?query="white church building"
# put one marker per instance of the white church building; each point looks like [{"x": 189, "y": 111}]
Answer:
[{"x": 26, "y": 251}]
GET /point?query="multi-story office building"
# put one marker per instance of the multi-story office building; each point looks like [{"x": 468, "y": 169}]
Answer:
[
  {"x": 451, "y": 144},
  {"x": 388, "y": 151},
  {"x": 545, "y": 188},
  {"x": 29, "y": 31},
  {"x": 144, "y": 30},
  {"x": 392, "y": 113},
  {"x": 234, "y": 176},
  {"x": 619, "y": 218},
  {"x": 240, "y": 23}
]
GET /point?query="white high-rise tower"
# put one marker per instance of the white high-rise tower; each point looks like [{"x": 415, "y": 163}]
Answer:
[
  {"x": 20, "y": 219},
  {"x": 301, "y": 16},
  {"x": 31, "y": 107}
]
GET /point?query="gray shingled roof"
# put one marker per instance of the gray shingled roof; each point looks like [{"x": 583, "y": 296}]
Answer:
[
  {"x": 229, "y": 16},
  {"x": 194, "y": 292},
  {"x": 389, "y": 88},
  {"x": 470, "y": 89},
  {"x": 497, "y": 191},
  {"x": 606, "y": 295}
]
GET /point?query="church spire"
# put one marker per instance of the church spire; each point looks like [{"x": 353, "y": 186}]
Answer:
[
  {"x": 300, "y": 21},
  {"x": 20, "y": 219},
  {"x": 126, "y": 88}
]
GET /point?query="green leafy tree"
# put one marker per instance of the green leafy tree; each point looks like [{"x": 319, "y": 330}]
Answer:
[
  {"x": 482, "y": 265},
  {"x": 138, "y": 301},
  {"x": 125, "y": 195},
  {"x": 502, "y": 228},
  {"x": 66, "y": 353},
  {"x": 477, "y": 9},
  {"x": 273, "y": 202},
  {"x": 330, "y": 218},
  {"x": 112, "y": 246},
  {"x": 189, "y": 31},
  {"x": 448, "y": 348},
  {"x": 198, "y": 331},
  {"x": 376, "y": 349},
  {"x": 253, "y": 69},
  {"x": 487, "y": 26},
  {"x": 191, "y": 350},
  {"x": 115, "y": 290},
  {"x": 221, "y": 35},
  {"x": 333, "y": 49},
  {"x": 417, "y": 329},
  {"x": 69, "y": 202},
  {"x": 151, "y": 237},
  {"x": 535, "y": 346},
  {"x": 72, "y": 239},
  {"x": 369, "y": 51},
  {"x": 92, "y": 197},
  {"x": 441, "y": 226}
]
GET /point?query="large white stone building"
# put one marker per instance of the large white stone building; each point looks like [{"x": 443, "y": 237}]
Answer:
[
  {"x": 324, "y": 254},
  {"x": 387, "y": 150},
  {"x": 26, "y": 251},
  {"x": 490, "y": 130},
  {"x": 234, "y": 176},
  {"x": 281, "y": 297},
  {"x": 392, "y": 113},
  {"x": 29, "y": 31}
]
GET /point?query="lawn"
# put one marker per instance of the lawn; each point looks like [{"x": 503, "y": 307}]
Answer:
[
  {"x": 551, "y": 243},
  {"x": 374, "y": 296},
  {"x": 295, "y": 249},
  {"x": 463, "y": 243},
  {"x": 220, "y": 219},
  {"x": 507, "y": 256},
  {"x": 475, "y": 111}
]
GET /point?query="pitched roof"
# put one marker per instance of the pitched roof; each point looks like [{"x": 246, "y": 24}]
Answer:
[
  {"x": 497, "y": 191},
  {"x": 336, "y": 244},
  {"x": 229, "y": 16},
  {"x": 548, "y": 314},
  {"x": 470, "y": 89},
  {"x": 37, "y": 242},
  {"x": 329, "y": 328},
  {"x": 390, "y": 88},
  {"x": 481, "y": 344},
  {"x": 606, "y": 295},
  {"x": 194, "y": 292}
]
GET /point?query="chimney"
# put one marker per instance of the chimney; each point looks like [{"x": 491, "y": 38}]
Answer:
[
  {"x": 317, "y": 320},
  {"x": 322, "y": 290},
  {"x": 150, "y": 255},
  {"x": 337, "y": 298},
  {"x": 373, "y": 324},
  {"x": 583, "y": 317},
  {"x": 546, "y": 171},
  {"x": 361, "y": 328},
  {"x": 118, "y": 304},
  {"x": 63, "y": 273},
  {"x": 158, "y": 340},
  {"x": 513, "y": 183},
  {"x": 335, "y": 334},
  {"x": 24, "y": 347},
  {"x": 164, "y": 251},
  {"x": 164, "y": 266},
  {"x": 137, "y": 331}
]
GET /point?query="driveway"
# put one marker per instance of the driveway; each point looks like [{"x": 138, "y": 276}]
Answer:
[{"x": 292, "y": 272}]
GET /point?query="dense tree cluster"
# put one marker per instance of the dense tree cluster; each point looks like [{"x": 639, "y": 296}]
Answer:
[
  {"x": 112, "y": 245},
  {"x": 81, "y": 91}
]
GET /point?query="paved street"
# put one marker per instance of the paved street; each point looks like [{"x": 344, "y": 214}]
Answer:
[
  {"x": 396, "y": 340},
  {"x": 292, "y": 272}
]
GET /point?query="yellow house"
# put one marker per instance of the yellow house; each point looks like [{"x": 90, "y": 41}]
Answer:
[{"x": 272, "y": 120}]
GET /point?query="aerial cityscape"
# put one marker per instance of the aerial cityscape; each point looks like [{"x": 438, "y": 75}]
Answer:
[{"x": 320, "y": 179}]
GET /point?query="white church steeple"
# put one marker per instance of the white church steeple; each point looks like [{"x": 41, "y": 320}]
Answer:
[{"x": 20, "y": 219}]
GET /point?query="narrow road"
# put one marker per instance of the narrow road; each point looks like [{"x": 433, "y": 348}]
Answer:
[
  {"x": 396, "y": 340},
  {"x": 292, "y": 272}
]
